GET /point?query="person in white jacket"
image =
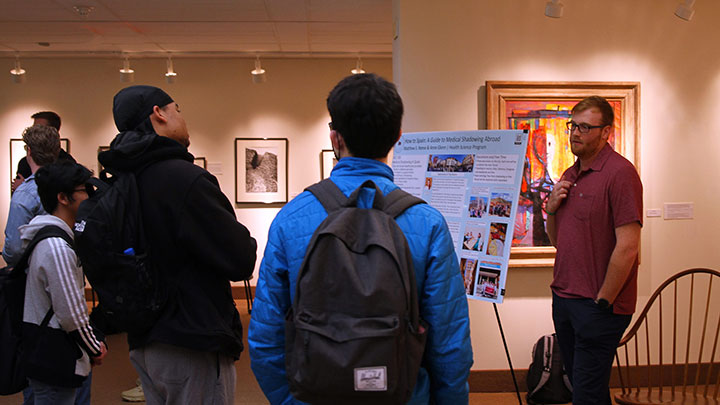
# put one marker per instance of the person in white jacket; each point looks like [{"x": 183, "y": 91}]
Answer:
[{"x": 55, "y": 278}]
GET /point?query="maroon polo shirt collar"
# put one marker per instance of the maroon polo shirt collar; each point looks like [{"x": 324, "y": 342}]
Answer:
[{"x": 599, "y": 161}]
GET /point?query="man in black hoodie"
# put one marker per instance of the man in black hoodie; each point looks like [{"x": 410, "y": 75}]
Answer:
[{"x": 197, "y": 245}]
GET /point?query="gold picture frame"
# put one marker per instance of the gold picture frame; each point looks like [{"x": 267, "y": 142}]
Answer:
[{"x": 502, "y": 98}]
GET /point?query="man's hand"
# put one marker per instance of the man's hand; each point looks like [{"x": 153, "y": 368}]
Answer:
[
  {"x": 19, "y": 179},
  {"x": 96, "y": 361},
  {"x": 558, "y": 195}
]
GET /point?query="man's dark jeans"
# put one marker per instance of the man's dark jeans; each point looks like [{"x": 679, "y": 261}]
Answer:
[{"x": 588, "y": 337}]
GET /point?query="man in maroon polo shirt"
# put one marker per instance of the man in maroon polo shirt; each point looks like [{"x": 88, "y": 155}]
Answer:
[{"x": 594, "y": 218}]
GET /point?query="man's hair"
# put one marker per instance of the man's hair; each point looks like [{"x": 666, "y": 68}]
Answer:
[
  {"x": 44, "y": 143},
  {"x": 52, "y": 118},
  {"x": 61, "y": 177},
  {"x": 366, "y": 110},
  {"x": 599, "y": 103}
]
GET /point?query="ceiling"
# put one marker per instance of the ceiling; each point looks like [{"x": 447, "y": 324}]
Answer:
[{"x": 147, "y": 28}]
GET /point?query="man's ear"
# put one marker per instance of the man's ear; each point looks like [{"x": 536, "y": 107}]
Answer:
[
  {"x": 337, "y": 140},
  {"x": 63, "y": 199},
  {"x": 606, "y": 131},
  {"x": 158, "y": 115}
]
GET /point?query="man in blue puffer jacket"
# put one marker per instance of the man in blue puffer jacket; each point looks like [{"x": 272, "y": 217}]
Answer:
[{"x": 366, "y": 113}]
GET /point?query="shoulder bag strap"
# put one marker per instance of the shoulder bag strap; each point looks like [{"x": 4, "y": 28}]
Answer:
[{"x": 328, "y": 194}]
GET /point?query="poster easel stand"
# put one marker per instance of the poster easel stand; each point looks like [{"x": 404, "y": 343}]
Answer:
[{"x": 507, "y": 353}]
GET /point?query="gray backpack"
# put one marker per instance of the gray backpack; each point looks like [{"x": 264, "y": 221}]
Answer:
[
  {"x": 354, "y": 333},
  {"x": 546, "y": 379}
]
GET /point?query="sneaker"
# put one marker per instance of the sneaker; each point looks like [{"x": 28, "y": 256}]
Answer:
[{"x": 133, "y": 395}]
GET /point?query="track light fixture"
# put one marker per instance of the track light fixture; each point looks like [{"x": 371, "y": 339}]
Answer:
[
  {"x": 126, "y": 74},
  {"x": 17, "y": 73},
  {"x": 685, "y": 10},
  {"x": 358, "y": 67},
  {"x": 554, "y": 9},
  {"x": 170, "y": 75},
  {"x": 258, "y": 74}
]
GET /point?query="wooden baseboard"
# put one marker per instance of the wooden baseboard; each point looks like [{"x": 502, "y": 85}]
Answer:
[
  {"x": 501, "y": 380},
  {"x": 238, "y": 292}
]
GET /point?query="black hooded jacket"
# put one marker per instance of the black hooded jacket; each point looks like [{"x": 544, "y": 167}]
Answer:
[{"x": 195, "y": 240}]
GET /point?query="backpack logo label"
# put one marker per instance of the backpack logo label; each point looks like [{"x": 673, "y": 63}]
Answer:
[
  {"x": 80, "y": 226},
  {"x": 371, "y": 379}
]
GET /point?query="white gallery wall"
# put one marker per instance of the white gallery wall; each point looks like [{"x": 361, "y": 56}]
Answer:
[
  {"x": 445, "y": 51},
  {"x": 216, "y": 96}
]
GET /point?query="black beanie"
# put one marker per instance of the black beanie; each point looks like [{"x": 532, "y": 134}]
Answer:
[{"x": 133, "y": 105}]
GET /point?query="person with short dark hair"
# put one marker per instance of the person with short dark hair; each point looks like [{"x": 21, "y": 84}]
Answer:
[
  {"x": 43, "y": 146},
  {"x": 47, "y": 118},
  {"x": 195, "y": 243},
  {"x": 366, "y": 113},
  {"x": 55, "y": 279},
  {"x": 594, "y": 218}
]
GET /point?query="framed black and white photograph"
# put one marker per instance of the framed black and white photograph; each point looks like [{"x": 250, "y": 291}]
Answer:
[
  {"x": 261, "y": 170},
  {"x": 200, "y": 161},
  {"x": 327, "y": 162},
  {"x": 17, "y": 152}
]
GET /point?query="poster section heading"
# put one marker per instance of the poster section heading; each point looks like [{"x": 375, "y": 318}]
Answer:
[{"x": 473, "y": 178}]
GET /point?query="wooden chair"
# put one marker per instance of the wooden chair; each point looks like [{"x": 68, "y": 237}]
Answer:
[{"x": 669, "y": 355}]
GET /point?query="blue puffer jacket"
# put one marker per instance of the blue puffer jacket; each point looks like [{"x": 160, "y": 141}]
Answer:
[{"x": 448, "y": 355}]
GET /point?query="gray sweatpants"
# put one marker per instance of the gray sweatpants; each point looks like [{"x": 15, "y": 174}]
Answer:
[{"x": 174, "y": 375}]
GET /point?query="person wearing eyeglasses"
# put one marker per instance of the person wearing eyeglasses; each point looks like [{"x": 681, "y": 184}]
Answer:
[{"x": 594, "y": 217}]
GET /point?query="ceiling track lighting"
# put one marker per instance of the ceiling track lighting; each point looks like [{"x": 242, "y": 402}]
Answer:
[
  {"x": 258, "y": 74},
  {"x": 358, "y": 67},
  {"x": 17, "y": 73},
  {"x": 126, "y": 73},
  {"x": 685, "y": 10},
  {"x": 170, "y": 75},
  {"x": 554, "y": 9},
  {"x": 83, "y": 11}
]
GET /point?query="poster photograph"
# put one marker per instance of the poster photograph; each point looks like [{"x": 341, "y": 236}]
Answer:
[
  {"x": 473, "y": 179},
  {"x": 261, "y": 170},
  {"x": 543, "y": 109}
]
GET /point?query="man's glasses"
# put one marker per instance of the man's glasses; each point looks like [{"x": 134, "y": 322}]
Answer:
[{"x": 583, "y": 128}]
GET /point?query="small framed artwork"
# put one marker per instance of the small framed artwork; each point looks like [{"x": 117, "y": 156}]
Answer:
[
  {"x": 100, "y": 150},
  {"x": 327, "y": 162},
  {"x": 261, "y": 170},
  {"x": 200, "y": 161},
  {"x": 17, "y": 152}
]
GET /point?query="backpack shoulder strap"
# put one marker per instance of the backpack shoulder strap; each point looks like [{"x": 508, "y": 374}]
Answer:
[
  {"x": 48, "y": 231},
  {"x": 398, "y": 200},
  {"x": 328, "y": 194}
]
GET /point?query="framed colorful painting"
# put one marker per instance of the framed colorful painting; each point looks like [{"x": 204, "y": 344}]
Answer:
[{"x": 543, "y": 108}]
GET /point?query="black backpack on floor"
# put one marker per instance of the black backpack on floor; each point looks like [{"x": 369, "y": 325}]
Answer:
[
  {"x": 12, "y": 302},
  {"x": 547, "y": 380},
  {"x": 110, "y": 240},
  {"x": 353, "y": 333}
]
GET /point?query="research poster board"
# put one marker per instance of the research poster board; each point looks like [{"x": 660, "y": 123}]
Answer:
[{"x": 473, "y": 178}]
